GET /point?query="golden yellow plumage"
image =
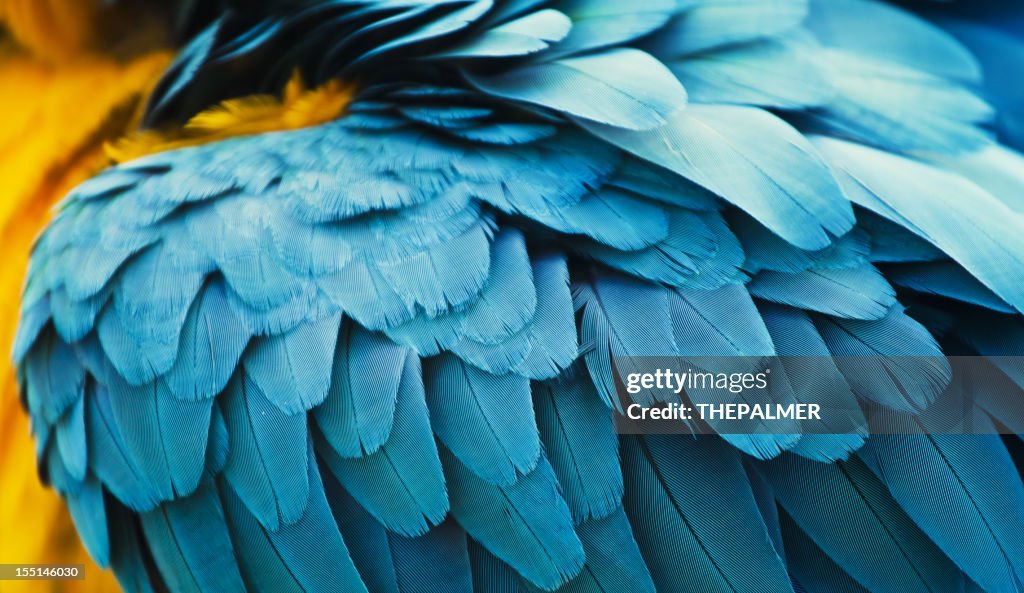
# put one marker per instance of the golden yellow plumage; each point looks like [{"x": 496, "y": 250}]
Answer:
[
  {"x": 59, "y": 104},
  {"x": 298, "y": 107}
]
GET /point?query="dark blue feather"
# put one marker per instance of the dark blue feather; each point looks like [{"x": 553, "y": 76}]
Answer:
[
  {"x": 614, "y": 562},
  {"x": 946, "y": 279},
  {"x": 528, "y": 34},
  {"x": 436, "y": 562}
]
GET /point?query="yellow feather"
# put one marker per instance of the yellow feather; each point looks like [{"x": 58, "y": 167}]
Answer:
[
  {"x": 257, "y": 114},
  {"x": 53, "y": 29}
]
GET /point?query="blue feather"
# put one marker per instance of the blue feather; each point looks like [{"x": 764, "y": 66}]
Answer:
[
  {"x": 191, "y": 545},
  {"x": 829, "y": 501},
  {"x": 53, "y": 378},
  {"x": 722, "y": 322},
  {"x": 891, "y": 242},
  {"x": 651, "y": 181},
  {"x": 672, "y": 260},
  {"x": 579, "y": 439},
  {"x": 509, "y": 300},
  {"x": 152, "y": 298},
  {"x": 363, "y": 294},
  {"x": 612, "y": 217},
  {"x": 126, "y": 552},
  {"x": 883, "y": 31},
  {"x": 89, "y": 513},
  {"x": 813, "y": 571},
  {"x": 552, "y": 333},
  {"x": 852, "y": 293},
  {"x": 401, "y": 483},
  {"x": 505, "y": 134},
  {"x": 33, "y": 318},
  {"x": 525, "y": 35},
  {"x": 444, "y": 276},
  {"x": 218, "y": 447},
  {"x": 359, "y": 412},
  {"x": 998, "y": 337},
  {"x": 690, "y": 504},
  {"x": 709, "y": 24},
  {"x": 500, "y": 311},
  {"x": 72, "y": 442},
  {"x": 485, "y": 420},
  {"x": 246, "y": 260},
  {"x": 893, "y": 361},
  {"x": 781, "y": 73},
  {"x": 492, "y": 575},
  {"x": 164, "y": 436},
  {"x": 614, "y": 562},
  {"x": 73, "y": 319},
  {"x": 439, "y": 559},
  {"x": 449, "y": 24},
  {"x": 436, "y": 562},
  {"x": 891, "y": 186},
  {"x": 123, "y": 351},
  {"x": 946, "y": 279},
  {"x": 604, "y": 23},
  {"x": 814, "y": 377},
  {"x": 294, "y": 369},
  {"x": 610, "y": 330},
  {"x": 968, "y": 508},
  {"x": 109, "y": 458},
  {"x": 526, "y": 524},
  {"x": 752, "y": 159},
  {"x": 625, "y": 88},
  {"x": 767, "y": 251},
  {"x": 307, "y": 556},
  {"x": 996, "y": 169},
  {"x": 211, "y": 345},
  {"x": 1000, "y": 55},
  {"x": 266, "y": 447},
  {"x": 903, "y": 110}
]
